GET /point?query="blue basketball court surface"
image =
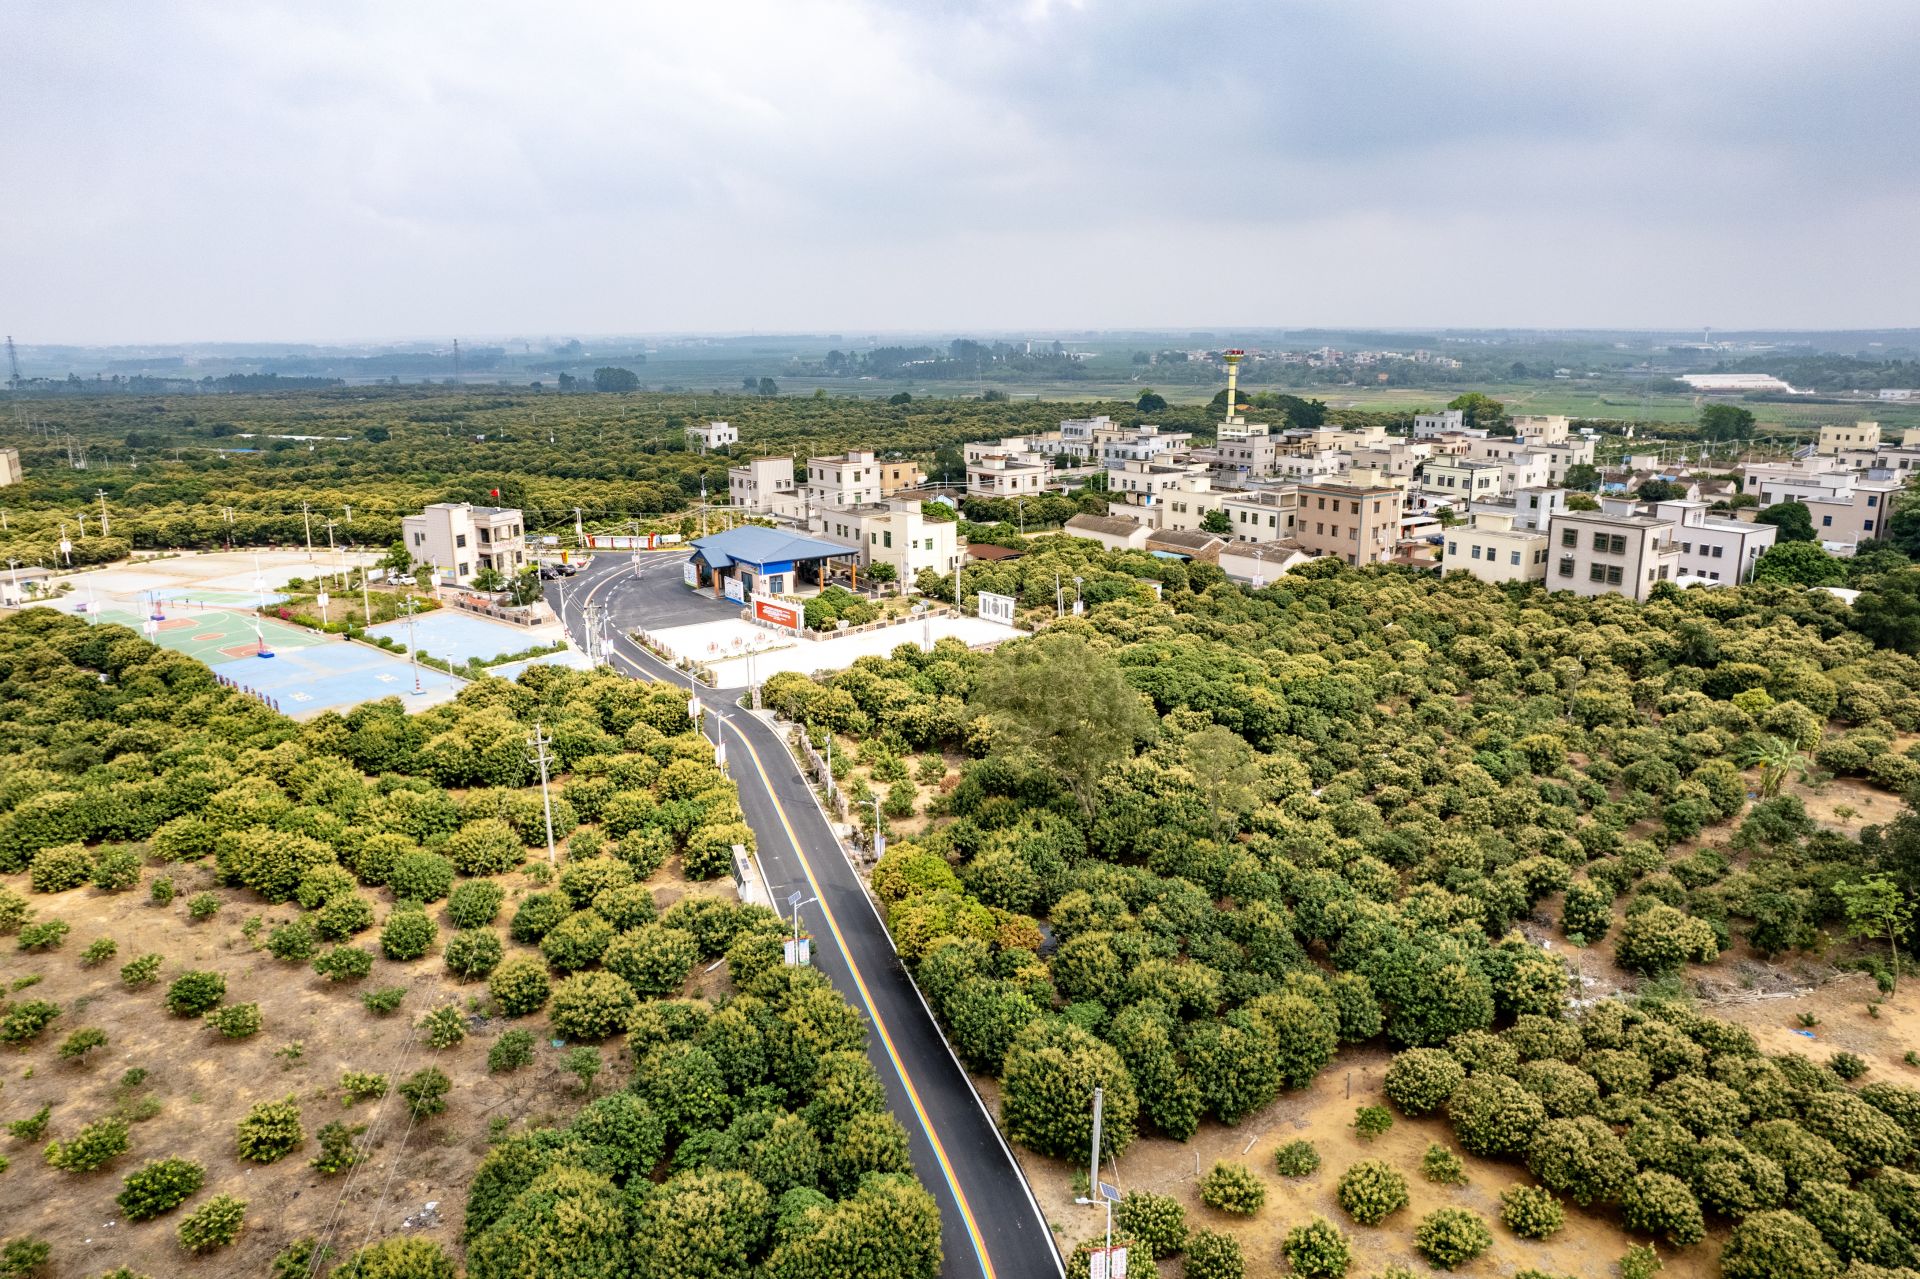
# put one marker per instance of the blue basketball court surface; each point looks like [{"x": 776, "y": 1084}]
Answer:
[{"x": 457, "y": 637}]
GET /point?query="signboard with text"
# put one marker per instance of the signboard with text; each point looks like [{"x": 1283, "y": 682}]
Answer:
[
  {"x": 996, "y": 608},
  {"x": 736, "y": 591},
  {"x": 690, "y": 574},
  {"x": 777, "y": 614}
]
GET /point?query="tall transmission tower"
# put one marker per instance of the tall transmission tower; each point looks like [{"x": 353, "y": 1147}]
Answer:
[
  {"x": 456, "y": 361},
  {"x": 13, "y": 386}
]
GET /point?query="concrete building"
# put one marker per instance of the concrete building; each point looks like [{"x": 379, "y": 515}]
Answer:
[
  {"x": 1354, "y": 523},
  {"x": 1078, "y": 437},
  {"x": 1427, "y": 425},
  {"x": 1163, "y": 495},
  {"x": 1311, "y": 464},
  {"x": 1458, "y": 481},
  {"x": 759, "y": 485},
  {"x": 1008, "y": 475},
  {"x": 1844, "y": 521},
  {"x": 1242, "y": 450},
  {"x": 1612, "y": 551},
  {"x": 1259, "y": 564},
  {"x": 894, "y": 532},
  {"x": 9, "y": 466},
  {"x": 1262, "y": 516},
  {"x": 1120, "y": 445},
  {"x": 1116, "y": 533},
  {"x": 1810, "y": 479},
  {"x": 895, "y": 476},
  {"x": 1493, "y": 549},
  {"x": 1858, "y": 435},
  {"x": 1543, "y": 428},
  {"x": 1398, "y": 459},
  {"x": 459, "y": 539},
  {"x": 711, "y": 436},
  {"x": 1715, "y": 548},
  {"x": 843, "y": 479}
]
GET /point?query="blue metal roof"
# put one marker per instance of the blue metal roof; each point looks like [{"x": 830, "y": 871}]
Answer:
[{"x": 756, "y": 544}]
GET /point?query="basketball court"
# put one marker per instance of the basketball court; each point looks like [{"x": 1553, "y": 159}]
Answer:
[{"x": 205, "y": 607}]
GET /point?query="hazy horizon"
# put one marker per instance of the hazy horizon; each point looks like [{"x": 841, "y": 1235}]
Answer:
[{"x": 190, "y": 174}]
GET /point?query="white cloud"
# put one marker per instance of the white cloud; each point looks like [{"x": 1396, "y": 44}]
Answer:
[{"x": 200, "y": 170}]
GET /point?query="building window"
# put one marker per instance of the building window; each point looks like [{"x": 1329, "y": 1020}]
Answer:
[
  {"x": 1866, "y": 526},
  {"x": 1569, "y": 537},
  {"x": 1613, "y": 575},
  {"x": 1513, "y": 557},
  {"x": 1617, "y": 544},
  {"x": 1873, "y": 500},
  {"x": 886, "y": 539},
  {"x": 459, "y": 539},
  {"x": 1596, "y": 572},
  {"x": 1719, "y": 552},
  {"x": 1453, "y": 548},
  {"x": 1566, "y": 566},
  {"x": 1476, "y": 551},
  {"x": 463, "y": 568}
]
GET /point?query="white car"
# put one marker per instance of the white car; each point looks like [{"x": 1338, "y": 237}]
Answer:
[{"x": 404, "y": 579}]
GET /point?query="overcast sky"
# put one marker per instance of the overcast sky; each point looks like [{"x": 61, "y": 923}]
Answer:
[{"x": 285, "y": 171}]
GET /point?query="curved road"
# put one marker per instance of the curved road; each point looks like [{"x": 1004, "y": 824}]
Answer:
[{"x": 990, "y": 1224}]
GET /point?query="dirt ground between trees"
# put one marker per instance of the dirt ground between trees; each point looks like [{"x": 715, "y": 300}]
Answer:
[
  {"x": 205, "y": 1083},
  {"x": 1588, "y": 1246}
]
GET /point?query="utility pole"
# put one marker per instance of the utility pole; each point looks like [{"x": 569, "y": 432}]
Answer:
[
  {"x": 306, "y": 517},
  {"x": 366, "y": 600},
  {"x": 228, "y": 512},
  {"x": 1059, "y": 596},
  {"x": 102, "y": 495},
  {"x": 539, "y": 743}
]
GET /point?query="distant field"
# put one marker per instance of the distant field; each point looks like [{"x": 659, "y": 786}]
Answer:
[{"x": 1571, "y": 399}]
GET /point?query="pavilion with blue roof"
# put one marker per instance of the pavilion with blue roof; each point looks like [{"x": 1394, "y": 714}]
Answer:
[{"x": 765, "y": 561}]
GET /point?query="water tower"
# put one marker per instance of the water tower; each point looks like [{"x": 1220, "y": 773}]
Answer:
[{"x": 1233, "y": 359}]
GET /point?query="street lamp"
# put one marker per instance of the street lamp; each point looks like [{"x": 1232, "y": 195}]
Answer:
[{"x": 794, "y": 955}]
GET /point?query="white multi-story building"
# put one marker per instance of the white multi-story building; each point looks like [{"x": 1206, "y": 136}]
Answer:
[
  {"x": 1242, "y": 450},
  {"x": 1810, "y": 479},
  {"x": 843, "y": 479},
  {"x": 1315, "y": 464},
  {"x": 1844, "y": 521},
  {"x": 1458, "y": 480},
  {"x": 1717, "y": 549},
  {"x": 1162, "y": 495},
  {"x": 1492, "y": 548},
  {"x": 712, "y": 435},
  {"x": 759, "y": 485},
  {"x": 894, "y": 532},
  {"x": 1397, "y": 458},
  {"x": 1445, "y": 422},
  {"x": 1008, "y": 475},
  {"x": 459, "y": 540},
  {"x": 1611, "y": 551},
  {"x": 9, "y": 466},
  {"x": 1120, "y": 445},
  {"x": 1263, "y": 515}
]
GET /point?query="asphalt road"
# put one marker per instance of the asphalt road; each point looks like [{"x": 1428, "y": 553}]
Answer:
[{"x": 990, "y": 1224}]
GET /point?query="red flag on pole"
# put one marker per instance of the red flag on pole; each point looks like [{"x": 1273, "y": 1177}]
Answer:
[{"x": 494, "y": 492}]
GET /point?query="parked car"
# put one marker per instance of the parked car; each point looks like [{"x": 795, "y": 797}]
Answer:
[{"x": 404, "y": 579}]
